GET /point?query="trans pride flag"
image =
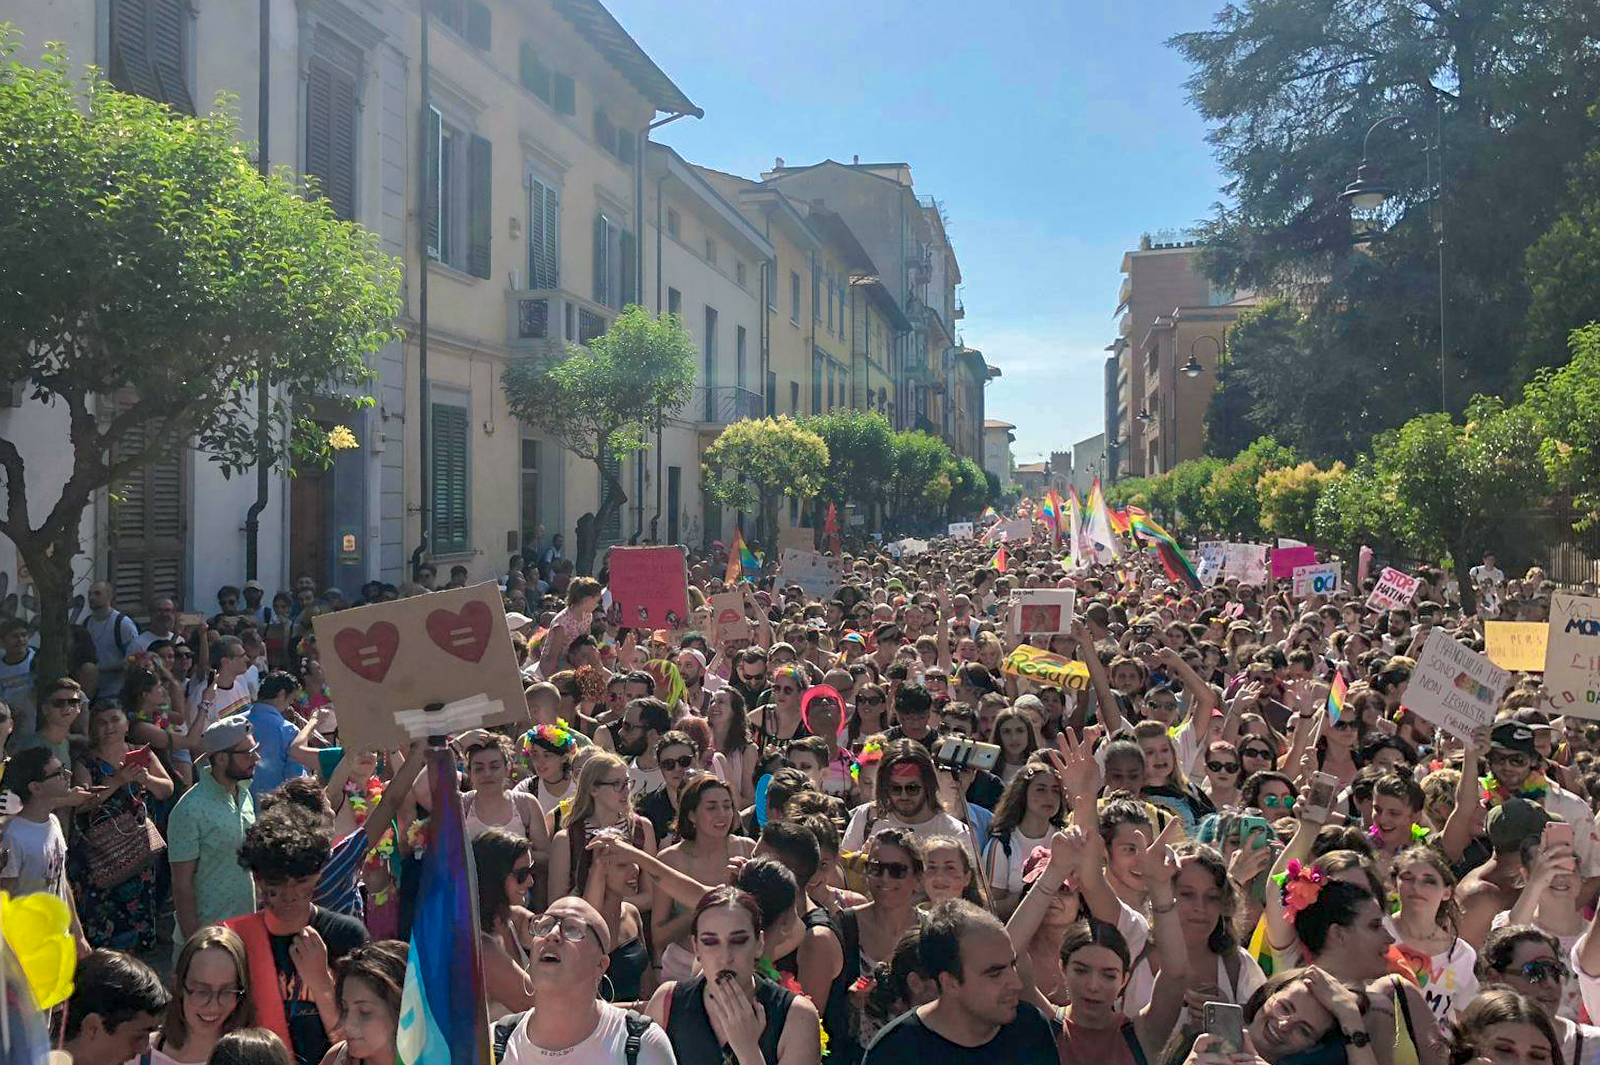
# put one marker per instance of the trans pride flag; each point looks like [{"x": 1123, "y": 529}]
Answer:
[{"x": 444, "y": 1019}]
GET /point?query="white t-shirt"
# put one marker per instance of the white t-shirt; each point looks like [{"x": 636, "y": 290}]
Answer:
[
  {"x": 607, "y": 1045},
  {"x": 1005, "y": 871},
  {"x": 940, "y": 824},
  {"x": 1487, "y": 575},
  {"x": 1142, "y": 984},
  {"x": 225, "y": 702},
  {"x": 142, "y": 642},
  {"x": 1449, "y": 982},
  {"x": 645, "y": 780},
  {"x": 35, "y": 852},
  {"x": 1571, "y": 1031}
]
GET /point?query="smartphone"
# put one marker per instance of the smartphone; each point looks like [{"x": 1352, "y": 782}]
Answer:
[
  {"x": 1557, "y": 832},
  {"x": 1225, "y": 1023},
  {"x": 1323, "y": 790},
  {"x": 958, "y": 753},
  {"x": 1263, "y": 831},
  {"x": 141, "y": 756}
]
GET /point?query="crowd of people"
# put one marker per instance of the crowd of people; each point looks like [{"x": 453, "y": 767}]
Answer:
[{"x": 831, "y": 828}]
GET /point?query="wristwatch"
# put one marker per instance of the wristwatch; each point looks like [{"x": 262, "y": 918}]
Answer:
[{"x": 1357, "y": 1038}]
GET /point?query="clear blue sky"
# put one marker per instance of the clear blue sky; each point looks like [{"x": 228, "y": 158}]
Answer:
[{"x": 1055, "y": 134}]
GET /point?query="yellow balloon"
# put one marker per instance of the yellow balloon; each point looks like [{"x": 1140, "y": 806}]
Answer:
[{"x": 38, "y": 928}]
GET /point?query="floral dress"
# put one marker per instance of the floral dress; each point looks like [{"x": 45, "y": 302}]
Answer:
[{"x": 122, "y": 917}]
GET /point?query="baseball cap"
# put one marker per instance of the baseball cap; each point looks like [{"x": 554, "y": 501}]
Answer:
[
  {"x": 1515, "y": 820},
  {"x": 224, "y": 733},
  {"x": 1513, "y": 736},
  {"x": 257, "y": 585}
]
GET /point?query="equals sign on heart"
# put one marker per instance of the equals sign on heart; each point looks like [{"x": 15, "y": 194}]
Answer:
[{"x": 462, "y": 637}]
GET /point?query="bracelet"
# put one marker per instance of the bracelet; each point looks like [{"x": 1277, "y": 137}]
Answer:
[{"x": 1168, "y": 908}]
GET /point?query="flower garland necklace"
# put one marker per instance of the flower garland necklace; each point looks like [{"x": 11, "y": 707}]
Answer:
[{"x": 1535, "y": 786}]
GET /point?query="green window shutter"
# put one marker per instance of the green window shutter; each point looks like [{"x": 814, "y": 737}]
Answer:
[
  {"x": 452, "y": 533},
  {"x": 629, "y": 255},
  {"x": 433, "y": 177},
  {"x": 331, "y": 136},
  {"x": 626, "y": 146},
  {"x": 480, "y": 160},
  {"x": 565, "y": 91},
  {"x": 167, "y": 53},
  {"x": 602, "y": 260},
  {"x": 612, "y": 530},
  {"x": 480, "y": 25},
  {"x": 535, "y": 76},
  {"x": 544, "y": 228}
]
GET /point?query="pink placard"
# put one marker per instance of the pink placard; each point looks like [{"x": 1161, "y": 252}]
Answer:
[
  {"x": 1285, "y": 559},
  {"x": 649, "y": 587}
]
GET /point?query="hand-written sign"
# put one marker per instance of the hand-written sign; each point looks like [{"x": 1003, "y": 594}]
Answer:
[
  {"x": 1455, "y": 687},
  {"x": 650, "y": 586},
  {"x": 1042, "y": 667},
  {"x": 728, "y": 621},
  {"x": 390, "y": 660},
  {"x": 798, "y": 539},
  {"x": 1286, "y": 559},
  {"x": 1041, "y": 611},
  {"x": 1011, "y": 530},
  {"x": 1223, "y": 561},
  {"x": 960, "y": 530},
  {"x": 1519, "y": 646},
  {"x": 818, "y": 576},
  {"x": 1321, "y": 579},
  {"x": 1572, "y": 659},
  {"x": 1395, "y": 589}
]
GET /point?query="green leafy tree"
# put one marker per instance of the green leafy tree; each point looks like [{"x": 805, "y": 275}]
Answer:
[
  {"x": 1360, "y": 506},
  {"x": 144, "y": 257},
  {"x": 1565, "y": 405},
  {"x": 1189, "y": 482},
  {"x": 761, "y": 461},
  {"x": 1289, "y": 497},
  {"x": 598, "y": 401},
  {"x": 969, "y": 490},
  {"x": 1231, "y": 504},
  {"x": 860, "y": 457},
  {"x": 920, "y": 487},
  {"x": 1563, "y": 271}
]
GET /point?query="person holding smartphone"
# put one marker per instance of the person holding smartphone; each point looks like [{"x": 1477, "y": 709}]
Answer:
[{"x": 1549, "y": 899}]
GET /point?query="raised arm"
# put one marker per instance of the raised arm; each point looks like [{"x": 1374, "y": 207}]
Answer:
[
  {"x": 1160, "y": 1015},
  {"x": 395, "y": 794},
  {"x": 1110, "y": 708},
  {"x": 683, "y": 888},
  {"x": 1457, "y": 833}
]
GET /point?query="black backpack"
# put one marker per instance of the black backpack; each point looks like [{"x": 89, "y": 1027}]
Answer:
[{"x": 637, "y": 1024}]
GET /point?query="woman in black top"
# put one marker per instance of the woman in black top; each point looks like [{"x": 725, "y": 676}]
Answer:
[{"x": 728, "y": 1013}]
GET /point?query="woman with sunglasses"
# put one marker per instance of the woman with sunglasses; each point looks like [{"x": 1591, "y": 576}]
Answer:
[
  {"x": 505, "y": 873},
  {"x": 894, "y": 871},
  {"x": 871, "y": 714},
  {"x": 1532, "y": 963},
  {"x": 60, "y": 703},
  {"x": 210, "y": 998},
  {"x": 600, "y": 803},
  {"x": 705, "y": 848},
  {"x": 1270, "y": 792},
  {"x": 1338, "y": 750},
  {"x": 1224, "y": 773}
]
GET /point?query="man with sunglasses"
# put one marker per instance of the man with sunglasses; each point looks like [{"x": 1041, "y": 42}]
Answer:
[
  {"x": 570, "y": 1025},
  {"x": 207, "y": 827},
  {"x": 1530, "y": 962},
  {"x": 33, "y": 849},
  {"x": 1518, "y": 770},
  {"x": 907, "y": 796},
  {"x": 644, "y": 722}
]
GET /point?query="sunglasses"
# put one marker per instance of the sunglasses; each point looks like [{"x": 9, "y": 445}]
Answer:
[
  {"x": 76, "y": 700},
  {"x": 677, "y": 763},
  {"x": 892, "y": 870},
  {"x": 1256, "y": 752},
  {"x": 872, "y": 700},
  {"x": 1543, "y": 971},
  {"x": 1344, "y": 724},
  {"x": 1511, "y": 758},
  {"x": 905, "y": 789},
  {"x": 1223, "y": 767},
  {"x": 524, "y": 874},
  {"x": 1273, "y": 802}
]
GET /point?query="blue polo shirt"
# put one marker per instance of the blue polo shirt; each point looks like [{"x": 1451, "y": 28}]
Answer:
[{"x": 274, "y": 736}]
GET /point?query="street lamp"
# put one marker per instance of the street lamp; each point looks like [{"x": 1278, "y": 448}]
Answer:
[
  {"x": 1369, "y": 191},
  {"x": 1192, "y": 368},
  {"x": 1145, "y": 416}
]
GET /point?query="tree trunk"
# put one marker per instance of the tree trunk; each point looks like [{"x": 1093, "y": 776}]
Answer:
[
  {"x": 589, "y": 538},
  {"x": 51, "y": 567},
  {"x": 769, "y": 529},
  {"x": 1469, "y": 594}
]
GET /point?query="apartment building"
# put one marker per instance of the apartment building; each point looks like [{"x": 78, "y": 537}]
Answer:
[{"x": 998, "y": 437}]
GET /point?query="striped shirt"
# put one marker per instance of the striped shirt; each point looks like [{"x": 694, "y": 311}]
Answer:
[{"x": 339, "y": 889}]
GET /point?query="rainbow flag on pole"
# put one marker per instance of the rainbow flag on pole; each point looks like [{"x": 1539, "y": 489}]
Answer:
[
  {"x": 742, "y": 562},
  {"x": 1100, "y": 534},
  {"x": 1173, "y": 560},
  {"x": 988, "y": 514},
  {"x": 1337, "y": 696},
  {"x": 998, "y": 562},
  {"x": 444, "y": 1019}
]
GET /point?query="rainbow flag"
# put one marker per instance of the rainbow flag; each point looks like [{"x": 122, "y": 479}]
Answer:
[
  {"x": 1260, "y": 949},
  {"x": 1337, "y": 696},
  {"x": 1119, "y": 521},
  {"x": 998, "y": 562},
  {"x": 988, "y": 513},
  {"x": 742, "y": 562},
  {"x": 1173, "y": 560},
  {"x": 1102, "y": 539},
  {"x": 1054, "y": 511},
  {"x": 444, "y": 1019}
]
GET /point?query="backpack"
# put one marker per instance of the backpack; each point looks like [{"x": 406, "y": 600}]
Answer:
[
  {"x": 636, "y": 1022},
  {"x": 116, "y": 631}
]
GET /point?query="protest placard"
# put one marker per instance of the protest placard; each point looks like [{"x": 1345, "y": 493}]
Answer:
[
  {"x": 1042, "y": 667},
  {"x": 798, "y": 539},
  {"x": 1455, "y": 687},
  {"x": 1519, "y": 646},
  {"x": 1286, "y": 559},
  {"x": 1041, "y": 611},
  {"x": 1248, "y": 562},
  {"x": 961, "y": 530},
  {"x": 819, "y": 576},
  {"x": 649, "y": 587},
  {"x": 728, "y": 620},
  {"x": 386, "y": 662},
  {"x": 1572, "y": 656},
  {"x": 1322, "y": 579},
  {"x": 910, "y": 547},
  {"x": 1394, "y": 589},
  {"x": 1010, "y": 530}
]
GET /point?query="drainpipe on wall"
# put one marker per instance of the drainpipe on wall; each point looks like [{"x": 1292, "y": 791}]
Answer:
[
  {"x": 644, "y": 140},
  {"x": 425, "y": 510},
  {"x": 252, "y": 518}
]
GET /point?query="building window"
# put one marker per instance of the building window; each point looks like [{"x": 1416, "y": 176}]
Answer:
[
  {"x": 612, "y": 529},
  {"x": 739, "y": 356},
  {"x": 150, "y": 41},
  {"x": 816, "y": 292},
  {"x": 459, "y": 194},
  {"x": 544, "y": 234},
  {"x": 532, "y": 73},
  {"x": 769, "y": 281},
  {"x": 711, "y": 251},
  {"x": 331, "y": 135},
  {"x": 565, "y": 90},
  {"x": 794, "y": 397},
  {"x": 827, "y": 284},
  {"x": 452, "y": 14},
  {"x": 614, "y": 265},
  {"x": 605, "y": 134},
  {"x": 772, "y": 394},
  {"x": 674, "y": 302},
  {"x": 674, "y": 501},
  {"x": 530, "y": 494},
  {"x": 449, "y": 480},
  {"x": 830, "y": 385},
  {"x": 794, "y": 296},
  {"x": 673, "y": 223},
  {"x": 816, "y": 382},
  {"x": 711, "y": 363},
  {"x": 740, "y": 274},
  {"x": 469, "y": 18}
]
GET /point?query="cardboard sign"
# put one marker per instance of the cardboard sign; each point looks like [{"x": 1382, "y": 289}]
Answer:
[
  {"x": 1042, "y": 667},
  {"x": 1519, "y": 646},
  {"x": 728, "y": 620},
  {"x": 1011, "y": 530},
  {"x": 1041, "y": 611},
  {"x": 961, "y": 530},
  {"x": 910, "y": 547},
  {"x": 818, "y": 576},
  {"x": 1286, "y": 559},
  {"x": 1241, "y": 562},
  {"x": 1322, "y": 579},
  {"x": 1455, "y": 687},
  {"x": 1394, "y": 589},
  {"x": 649, "y": 587},
  {"x": 801, "y": 539},
  {"x": 387, "y": 661},
  {"x": 1284, "y": 541},
  {"x": 1572, "y": 659}
]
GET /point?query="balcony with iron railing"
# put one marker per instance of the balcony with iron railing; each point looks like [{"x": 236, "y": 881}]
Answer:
[
  {"x": 723, "y": 405},
  {"x": 538, "y": 316}
]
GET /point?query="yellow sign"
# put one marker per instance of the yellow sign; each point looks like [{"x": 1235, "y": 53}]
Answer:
[
  {"x": 1516, "y": 645},
  {"x": 1042, "y": 667}
]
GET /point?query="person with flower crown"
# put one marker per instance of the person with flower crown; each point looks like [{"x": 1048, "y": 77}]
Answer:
[{"x": 546, "y": 756}]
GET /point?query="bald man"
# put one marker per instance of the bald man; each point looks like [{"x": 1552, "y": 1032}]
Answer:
[{"x": 113, "y": 633}]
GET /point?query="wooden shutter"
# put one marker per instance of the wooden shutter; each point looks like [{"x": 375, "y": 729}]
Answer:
[
  {"x": 612, "y": 530},
  {"x": 480, "y": 25},
  {"x": 534, "y": 75},
  {"x": 480, "y": 166},
  {"x": 148, "y": 524},
  {"x": 331, "y": 136},
  {"x": 627, "y": 251},
  {"x": 130, "y": 59},
  {"x": 602, "y": 260},
  {"x": 605, "y": 134},
  {"x": 167, "y": 53},
  {"x": 566, "y": 94},
  {"x": 625, "y": 146},
  {"x": 544, "y": 236},
  {"x": 452, "y": 531},
  {"x": 433, "y": 177}
]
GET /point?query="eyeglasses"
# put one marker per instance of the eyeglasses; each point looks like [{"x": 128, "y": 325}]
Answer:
[
  {"x": 1274, "y": 802},
  {"x": 1222, "y": 767},
  {"x": 892, "y": 870},
  {"x": 1515, "y": 759},
  {"x": 61, "y": 771},
  {"x": 677, "y": 763},
  {"x": 523, "y": 873},
  {"x": 625, "y": 784},
  {"x": 253, "y": 751},
  {"x": 205, "y": 996},
  {"x": 76, "y": 700},
  {"x": 573, "y": 929},
  {"x": 905, "y": 789},
  {"x": 871, "y": 700},
  {"x": 1545, "y": 970}
]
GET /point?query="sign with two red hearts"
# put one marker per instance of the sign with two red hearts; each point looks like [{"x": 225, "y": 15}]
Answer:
[{"x": 387, "y": 661}]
